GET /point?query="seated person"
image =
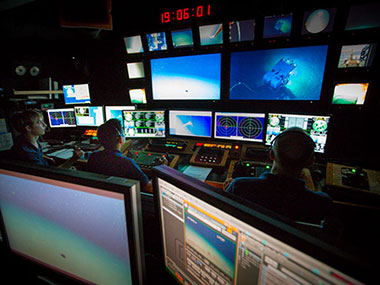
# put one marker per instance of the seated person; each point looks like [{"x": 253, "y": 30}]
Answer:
[
  {"x": 30, "y": 124},
  {"x": 281, "y": 190},
  {"x": 111, "y": 161}
]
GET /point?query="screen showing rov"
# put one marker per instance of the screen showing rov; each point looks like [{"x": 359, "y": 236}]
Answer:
[
  {"x": 278, "y": 74},
  {"x": 239, "y": 126},
  {"x": 190, "y": 123},
  {"x": 148, "y": 124},
  {"x": 89, "y": 116},
  {"x": 61, "y": 118},
  {"x": 204, "y": 245},
  {"x": 76, "y": 230},
  {"x": 76, "y": 94},
  {"x": 315, "y": 126},
  {"x": 194, "y": 77}
]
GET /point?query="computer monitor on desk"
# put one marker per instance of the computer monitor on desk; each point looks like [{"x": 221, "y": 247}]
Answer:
[
  {"x": 61, "y": 118},
  {"x": 89, "y": 116},
  {"x": 84, "y": 226},
  {"x": 210, "y": 238}
]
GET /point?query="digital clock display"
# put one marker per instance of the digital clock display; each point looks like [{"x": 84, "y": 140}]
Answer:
[{"x": 199, "y": 11}]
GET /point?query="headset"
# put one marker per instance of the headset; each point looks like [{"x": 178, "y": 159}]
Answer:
[{"x": 292, "y": 130}]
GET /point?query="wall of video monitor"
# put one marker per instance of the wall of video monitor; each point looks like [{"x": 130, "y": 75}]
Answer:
[{"x": 301, "y": 56}]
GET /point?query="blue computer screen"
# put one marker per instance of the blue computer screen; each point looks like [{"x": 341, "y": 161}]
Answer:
[
  {"x": 278, "y": 74},
  {"x": 195, "y": 77},
  {"x": 190, "y": 123}
]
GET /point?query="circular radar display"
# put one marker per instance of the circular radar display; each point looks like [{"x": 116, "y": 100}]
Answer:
[
  {"x": 320, "y": 126},
  {"x": 226, "y": 127},
  {"x": 250, "y": 128}
]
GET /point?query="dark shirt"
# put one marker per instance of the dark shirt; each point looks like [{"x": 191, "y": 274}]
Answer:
[
  {"x": 23, "y": 150},
  {"x": 284, "y": 195},
  {"x": 114, "y": 163}
]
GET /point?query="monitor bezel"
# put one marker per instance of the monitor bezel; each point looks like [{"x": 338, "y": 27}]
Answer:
[
  {"x": 130, "y": 189},
  {"x": 265, "y": 220}
]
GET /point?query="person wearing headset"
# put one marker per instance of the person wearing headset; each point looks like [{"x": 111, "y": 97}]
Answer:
[
  {"x": 111, "y": 161},
  {"x": 31, "y": 126},
  {"x": 282, "y": 190}
]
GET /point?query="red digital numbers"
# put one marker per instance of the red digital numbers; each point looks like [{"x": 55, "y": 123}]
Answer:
[{"x": 186, "y": 13}]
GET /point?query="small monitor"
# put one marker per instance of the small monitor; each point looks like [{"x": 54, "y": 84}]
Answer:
[
  {"x": 61, "y": 118},
  {"x": 318, "y": 21},
  {"x": 277, "y": 26},
  {"x": 211, "y": 34},
  {"x": 157, "y": 41},
  {"x": 356, "y": 55},
  {"x": 350, "y": 93},
  {"x": 144, "y": 124},
  {"x": 363, "y": 16},
  {"x": 135, "y": 70},
  {"x": 316, "y": 126},
  {"x": 89, "y": 116},
  {"x": 116, "y": 112},
  {"x": 278, "y": 74},
  {"x": 133, "y": 44},
  {"x": 137, "y": 96},
  {"x": 76, "y": 94},
  {"x": 193, "y": 77},
  {"x": 182, "y": 38},
  {"x": 242, "y": 31},
  {"x": 190, "y": 123},
  {"x": 208, "y": 238},
  {"x": 247, "y": 127},
  {"x": 79, "y": 225}
]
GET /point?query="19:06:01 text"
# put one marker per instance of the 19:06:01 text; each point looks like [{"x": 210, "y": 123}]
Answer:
[{"x": 186, "y": 13}]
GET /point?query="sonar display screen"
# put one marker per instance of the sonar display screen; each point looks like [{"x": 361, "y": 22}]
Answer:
[
  {"x": 278, "y": 74},
  {"x": 239, "y": 126},
  {"x": 61, "y": 118}
]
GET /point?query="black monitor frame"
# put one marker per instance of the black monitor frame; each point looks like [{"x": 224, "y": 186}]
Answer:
[
  {"x": 264, "y": 220},
  {"x": 132, "y": 204}
]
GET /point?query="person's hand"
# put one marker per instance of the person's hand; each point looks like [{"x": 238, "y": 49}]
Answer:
[
  {"x": 78, "y": 153},
  {"x": 227, "y": 182}
]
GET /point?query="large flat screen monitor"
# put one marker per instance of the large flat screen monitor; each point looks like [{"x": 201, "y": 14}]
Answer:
[
  {"x": 144, "y": 124},
  {"x": 210, "y": 239},
  {"x": 193, "y": 77},
  {"x": 278, "y": 74},
  {"x": 61, "y": 118},
  {"x": 239, "y": 126},
  {"x": 316, "y": 126},
  {"x": 81, "y": 225},
  {"x": 190, "y": 123},
  {"x": 76, "y": 94},
  {"x": 89, "y": 116}
]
